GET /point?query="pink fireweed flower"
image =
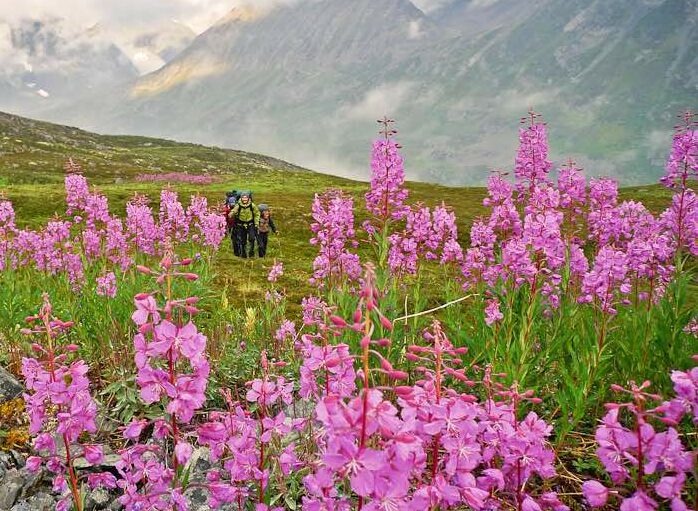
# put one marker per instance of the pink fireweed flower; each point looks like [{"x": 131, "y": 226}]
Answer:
[
  {"x": 595, "y": 493},
  {"x": 532, "y": 165},
  {"x": 287, "y": 330},
  {"x": 106, "y": 285},
  {"x": 385, "y": 200},
  {"x": 492, "y": 313},
  {"x": 682, "y": 165},
  {"x": 333, "y": 230},
  {"x": 59, "y": 403},
  {"x": 276, "y": 271}
]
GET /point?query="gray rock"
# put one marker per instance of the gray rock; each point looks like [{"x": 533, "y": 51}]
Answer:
[
  {"x": 109, "y": 462},
  {"x": 10, "y": 388},
  {"x": 30, "y": 482},
  {"x": 10, "y": 487},
  {"x": 38, "y": 502},
  {"x": 98, "y": 499}
]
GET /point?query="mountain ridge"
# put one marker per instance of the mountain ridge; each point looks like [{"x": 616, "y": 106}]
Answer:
[{"x": 306, "y": 82}]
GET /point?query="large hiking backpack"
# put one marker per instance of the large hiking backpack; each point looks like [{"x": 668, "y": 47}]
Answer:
[{"x": 240, "y": 208}]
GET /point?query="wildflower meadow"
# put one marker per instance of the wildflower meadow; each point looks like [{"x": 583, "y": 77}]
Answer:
[{"x": 546, "y": 360}]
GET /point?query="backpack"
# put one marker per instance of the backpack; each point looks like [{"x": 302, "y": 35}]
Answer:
[{"x": 241, "y": 207}]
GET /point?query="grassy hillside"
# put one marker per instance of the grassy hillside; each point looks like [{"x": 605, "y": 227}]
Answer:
[{"x": 32, "y": 155}]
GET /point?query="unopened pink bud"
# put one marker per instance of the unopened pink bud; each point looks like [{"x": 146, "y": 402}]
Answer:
[
  {"x": 192, "y": 300},
  {"x": 385, "y": 365},
  {"x": 337, "y": 321},
  {"x": 403, "y": 391},
  {"x": 616, "y": 388},
  {"x": 386, "y": 323},
  {"x": 37, "y": 347},
  {"x": 280, "y": 364},
  {"x": 190, "y": 276},
  {"x": 71, "y": 347},
  {"x": 412, "y": 357},
  {"x": 186, "y": 261},
  {"x": 383, "y": 343},
  {"x": 142, "y": 296},
  {"x": 365, "y": 342},
  {"x": 398, "y": 375},
  {"x": 144, "y": 269},
  {"x": 166, "y": 262},
  {"x": 357, "y": 316},
  {"x": 191, "y": 310},
  {"x": 26, "y": 331}
]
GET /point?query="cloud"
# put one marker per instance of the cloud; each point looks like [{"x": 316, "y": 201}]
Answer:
[
  {"x": 431, "y": 5},
  {"x": 385, "y": 99},
  {"x": 414, "y": 30}
]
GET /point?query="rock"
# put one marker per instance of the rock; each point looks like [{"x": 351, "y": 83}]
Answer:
[
  {"x": 10, "y": 487},
  {"x": 31, "y": 482},
  {"x": 10, "y": 388},
  {"x": 98, "y": 499},
  {"x": 108, "y": 463},
  {"x": 38, "y": 502}
]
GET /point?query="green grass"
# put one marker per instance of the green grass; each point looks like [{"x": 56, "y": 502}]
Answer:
[{"x": 32, "y": 155}]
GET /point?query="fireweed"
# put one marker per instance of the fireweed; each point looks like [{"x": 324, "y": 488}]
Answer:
[
  {"x": 90, "y": 235},
  {"x": 646, "y": 465},
  {"x": 61, "y": 410},
  {"x": 173, "y": 373},
  {"x": 333, "y": 230},
  {"x": 433, "y": 446},
  {"x": 252, "y": 445}
]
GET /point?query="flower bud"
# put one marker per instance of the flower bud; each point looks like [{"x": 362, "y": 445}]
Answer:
[
  {"x": 385, "y": 322},
  {"x": 357, "y": 315},
  {"x": 398, "y": 375},
  {"x": 337, "y": 321}
]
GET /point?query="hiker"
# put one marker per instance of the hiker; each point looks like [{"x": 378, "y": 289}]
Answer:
[
  {"x": 265, "y": 224},
  {"x": 246, "y": 216},
  {"x": 231, "y": 199}
]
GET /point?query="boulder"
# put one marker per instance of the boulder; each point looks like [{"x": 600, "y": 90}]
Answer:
[{"x": 10, "y": 388}]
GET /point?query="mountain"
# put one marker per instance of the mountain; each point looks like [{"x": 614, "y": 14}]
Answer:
[
  {"x": 34, "y": 152},
  {"x": 48, "y": 63},
  {"x": 305, "y": 81}
]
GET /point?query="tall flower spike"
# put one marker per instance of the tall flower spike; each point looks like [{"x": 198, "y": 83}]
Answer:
[
  {"x": 532, "y": 165},
  {"x": 385, "y": 200}
]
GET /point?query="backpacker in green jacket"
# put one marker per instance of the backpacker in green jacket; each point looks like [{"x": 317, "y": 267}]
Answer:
[{"x": 245, "y": 214}]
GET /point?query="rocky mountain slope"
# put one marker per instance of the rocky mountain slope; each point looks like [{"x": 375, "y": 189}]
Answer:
[{"x": 306, "y": 81}]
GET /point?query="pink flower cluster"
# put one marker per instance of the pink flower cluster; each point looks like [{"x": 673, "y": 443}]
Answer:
[
  {"x": 632, "y": 251},
  {"x": 248, "y": 443},
  {"x": 276, "y": 271},
  {"x": 106, "y": 285},
  {"x": 176, "y": 177},
  {"x": 429, "y": 236},
  {"x": 434, "y": 446},
  {"x": 59, "y": 391},
  {"x": 385, "y": 199},
  {"x": 91, "y": 234},
  {"x": 333, "y": 233},
  {"x": 172, "y": 372},
  {"x": 652, "y": 465}
]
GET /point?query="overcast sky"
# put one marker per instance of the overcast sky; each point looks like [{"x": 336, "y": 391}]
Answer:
[
  {"x": 123, "y": 14},
  {"x": 121, "y": 22}
]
